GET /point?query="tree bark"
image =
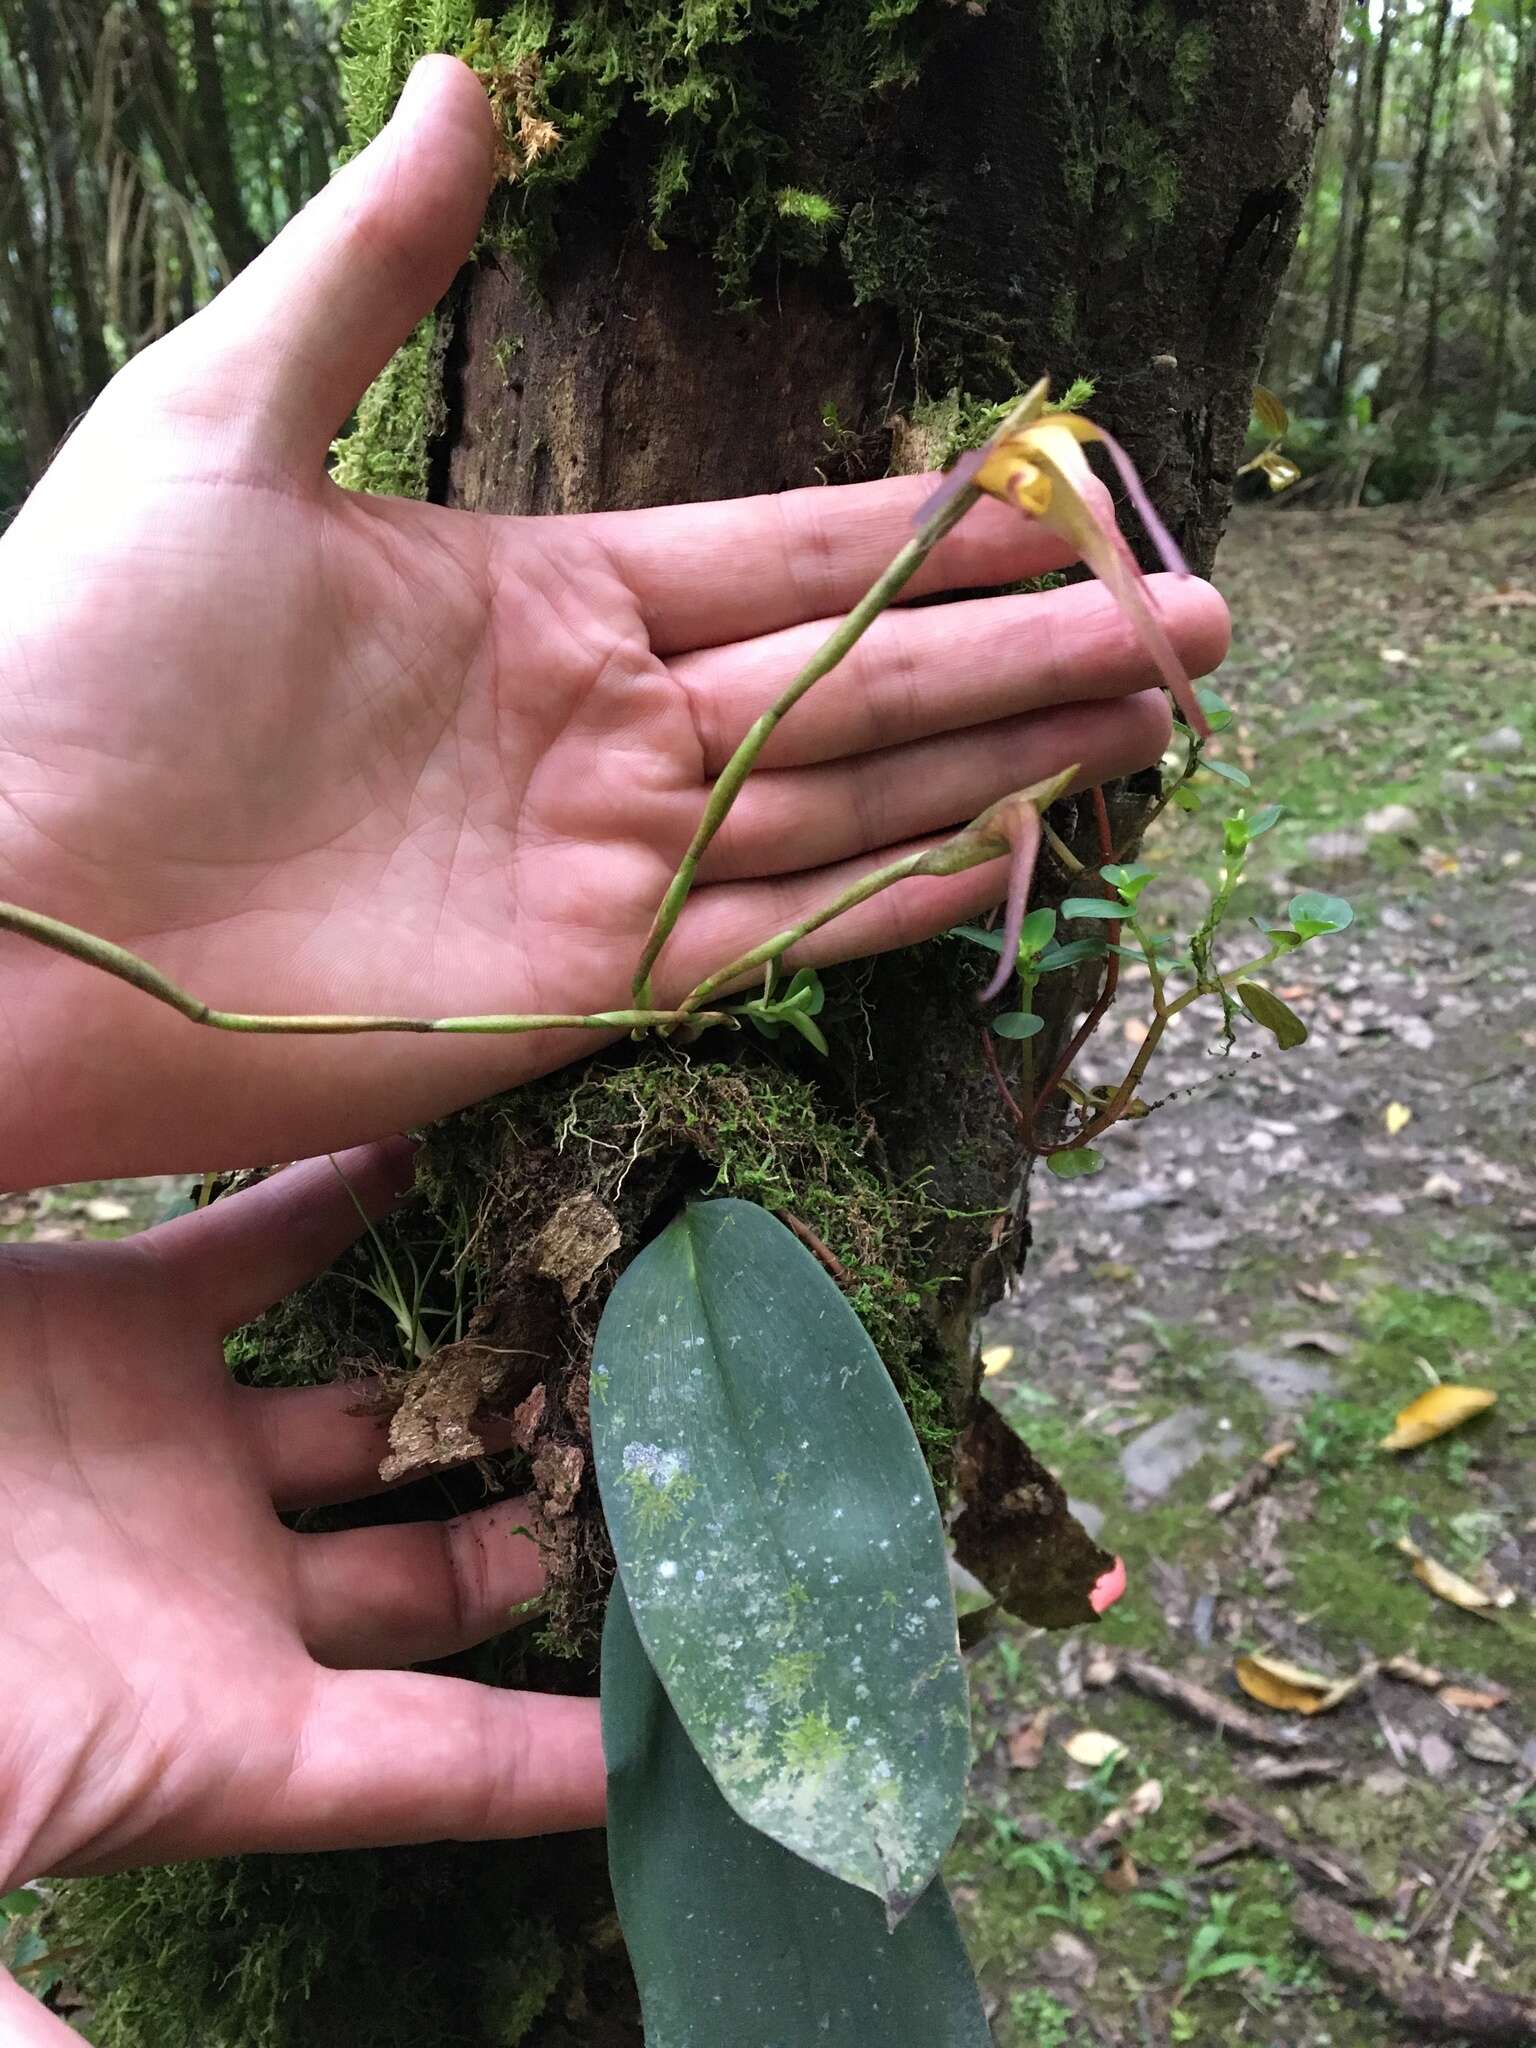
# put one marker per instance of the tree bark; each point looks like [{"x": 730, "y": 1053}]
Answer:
[
  {"x": 1084, "y": 189},
  {"x": 1418, "y": 183},
  {"x": 1445, "y": 190},
  {"x": 1360, "y": 233},
  {"x": 1349, "y": 184},
  {"x": 1522, "y": 127}
]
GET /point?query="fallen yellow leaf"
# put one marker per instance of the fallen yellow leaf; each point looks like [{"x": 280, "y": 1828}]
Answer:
[
  {"x": 995, "y": 1357},
  {"x": 1397, "y": 1117},
  {"x": 1446, "y": 1584},
  {"x": 1289, "y": 1688},
  {"x": 1466, "y": 1699},
  {"x": 1435, "y": 1411},
  {"x": 1091, "y": 1747}
]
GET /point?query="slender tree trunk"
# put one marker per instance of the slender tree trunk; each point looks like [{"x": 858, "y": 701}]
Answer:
[
  {"x": 1349, "y": 183},
  {"x": 1360, "y": 233},
  {"x": 1522, "y": 120},
  {"x": 209, "y": 144},
  {"x": 1055, "y": 190},
  {"x": 1418, "y": 182},
  {"x": 1445, "y": 192}
]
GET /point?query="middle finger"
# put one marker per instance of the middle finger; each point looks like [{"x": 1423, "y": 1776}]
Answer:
[{"x": 920, "y": 672}]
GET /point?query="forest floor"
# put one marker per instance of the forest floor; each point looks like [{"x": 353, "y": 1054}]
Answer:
[{"x": 1290, "y": 1251}]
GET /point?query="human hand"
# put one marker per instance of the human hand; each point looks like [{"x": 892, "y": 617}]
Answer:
[
  {"x": 311, "y": 750},
  {"x": 181, "y": 1674}
]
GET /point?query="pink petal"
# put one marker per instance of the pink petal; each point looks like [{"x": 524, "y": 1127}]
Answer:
[
  {"x": 955, "y": 481},
  {"x": 1103, "y": 548},
  {"x": 1167, "y": 547},
  {"x": 1021, "y": 822},
  {"x": 1108, "y": 1587}
]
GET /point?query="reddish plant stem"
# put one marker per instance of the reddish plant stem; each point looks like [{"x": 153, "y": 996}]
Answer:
[
  {"x": 1024, "y": 1123},
  {"x": 1111, "y": 983}
]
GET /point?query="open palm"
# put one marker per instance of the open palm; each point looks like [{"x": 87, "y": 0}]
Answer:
[
  {"x": 310, "y": 750},
  {"x": 181, "y": 1674}
]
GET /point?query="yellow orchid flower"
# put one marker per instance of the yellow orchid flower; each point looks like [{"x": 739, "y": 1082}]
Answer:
[{"x": 1041, "y": 468}]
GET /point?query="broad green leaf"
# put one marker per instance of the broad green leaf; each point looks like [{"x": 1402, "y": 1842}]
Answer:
[
  {"x": 1018, "y": 1024},
  {"x": 1229, "y": 772},
  {"x": 1186, "y": 799},
  {"x": 1267, "y": 816},
  {"x": 1130, "y": 880},
  {"x": 15, "y": 1904},
  {"x": 733, "y": 1939},
  {"x": 1313, "y": 914},
  {"x": 781, "y": 1547},
  {"x": 1266, "y": 1008},
  {"x": 1109, "y": 908},
  {"x": 1076, "y": 1165}
]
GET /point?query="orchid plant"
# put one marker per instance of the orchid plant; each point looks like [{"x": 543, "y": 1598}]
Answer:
[{"x": 784, "y": 1699}]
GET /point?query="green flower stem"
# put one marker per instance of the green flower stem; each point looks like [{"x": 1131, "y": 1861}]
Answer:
[
  {"x": 139, "y": 974},
  {"x": 735, "y": 772},
  {"x": 971, "y": 847}
]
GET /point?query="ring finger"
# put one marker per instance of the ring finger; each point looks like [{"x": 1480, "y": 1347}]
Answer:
[{"x": 802, "y": 818}]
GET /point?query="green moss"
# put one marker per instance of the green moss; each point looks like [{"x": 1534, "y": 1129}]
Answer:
[
  {"x": 701, "y": 79},
  {"x": 388, "y": 450},
  {"x": 383, "y": 1950},
  {"x": 1131, "y": 82}
]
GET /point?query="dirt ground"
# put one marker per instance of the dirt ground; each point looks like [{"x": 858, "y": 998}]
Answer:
[
  {"x": 1289, "y": 1250},
  {"x": 1292, "y": 1249}
]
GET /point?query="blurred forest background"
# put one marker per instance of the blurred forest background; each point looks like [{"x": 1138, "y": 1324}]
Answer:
[{"x": 148, "y": 149}]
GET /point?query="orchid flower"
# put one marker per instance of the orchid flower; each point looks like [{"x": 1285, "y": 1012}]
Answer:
[{"x": 1040, "y": 467}]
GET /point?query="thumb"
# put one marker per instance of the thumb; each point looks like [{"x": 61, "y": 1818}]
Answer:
[{"x": 290, "y": 345}]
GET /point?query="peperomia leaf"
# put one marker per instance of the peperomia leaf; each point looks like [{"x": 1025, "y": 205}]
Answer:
[
  {"x": 732, "y": 1938},
  {"x": 780, "y": 1544}
]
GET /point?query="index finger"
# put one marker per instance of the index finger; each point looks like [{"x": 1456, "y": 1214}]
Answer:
[{"x": 707, "y": 574}]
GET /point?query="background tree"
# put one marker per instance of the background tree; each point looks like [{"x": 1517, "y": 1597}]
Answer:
[{"x": 148, "y": 148}]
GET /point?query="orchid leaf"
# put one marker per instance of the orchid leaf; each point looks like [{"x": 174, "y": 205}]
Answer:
[
  {"x": 732, "y": 1938},
  {"x": 781, "y": 1548},
  {"x": 1229, "y": 772},
  {"x": 1072, "y": 954}
]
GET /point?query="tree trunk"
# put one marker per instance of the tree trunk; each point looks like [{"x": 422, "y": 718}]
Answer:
[
  {"x": 1418, "y": 183},
  {"x": 1522, "y": 123},
  {"x": 1349, "y": 185},
  {"x": 209, "y": 144},
  {"x": 1445, "y": 192},
  {"x": 1105, "y": 187},
  {"x": 1360, "y": 233}
]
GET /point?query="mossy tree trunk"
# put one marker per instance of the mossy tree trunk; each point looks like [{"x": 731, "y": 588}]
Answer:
[{"x": 928, "y": 206}]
